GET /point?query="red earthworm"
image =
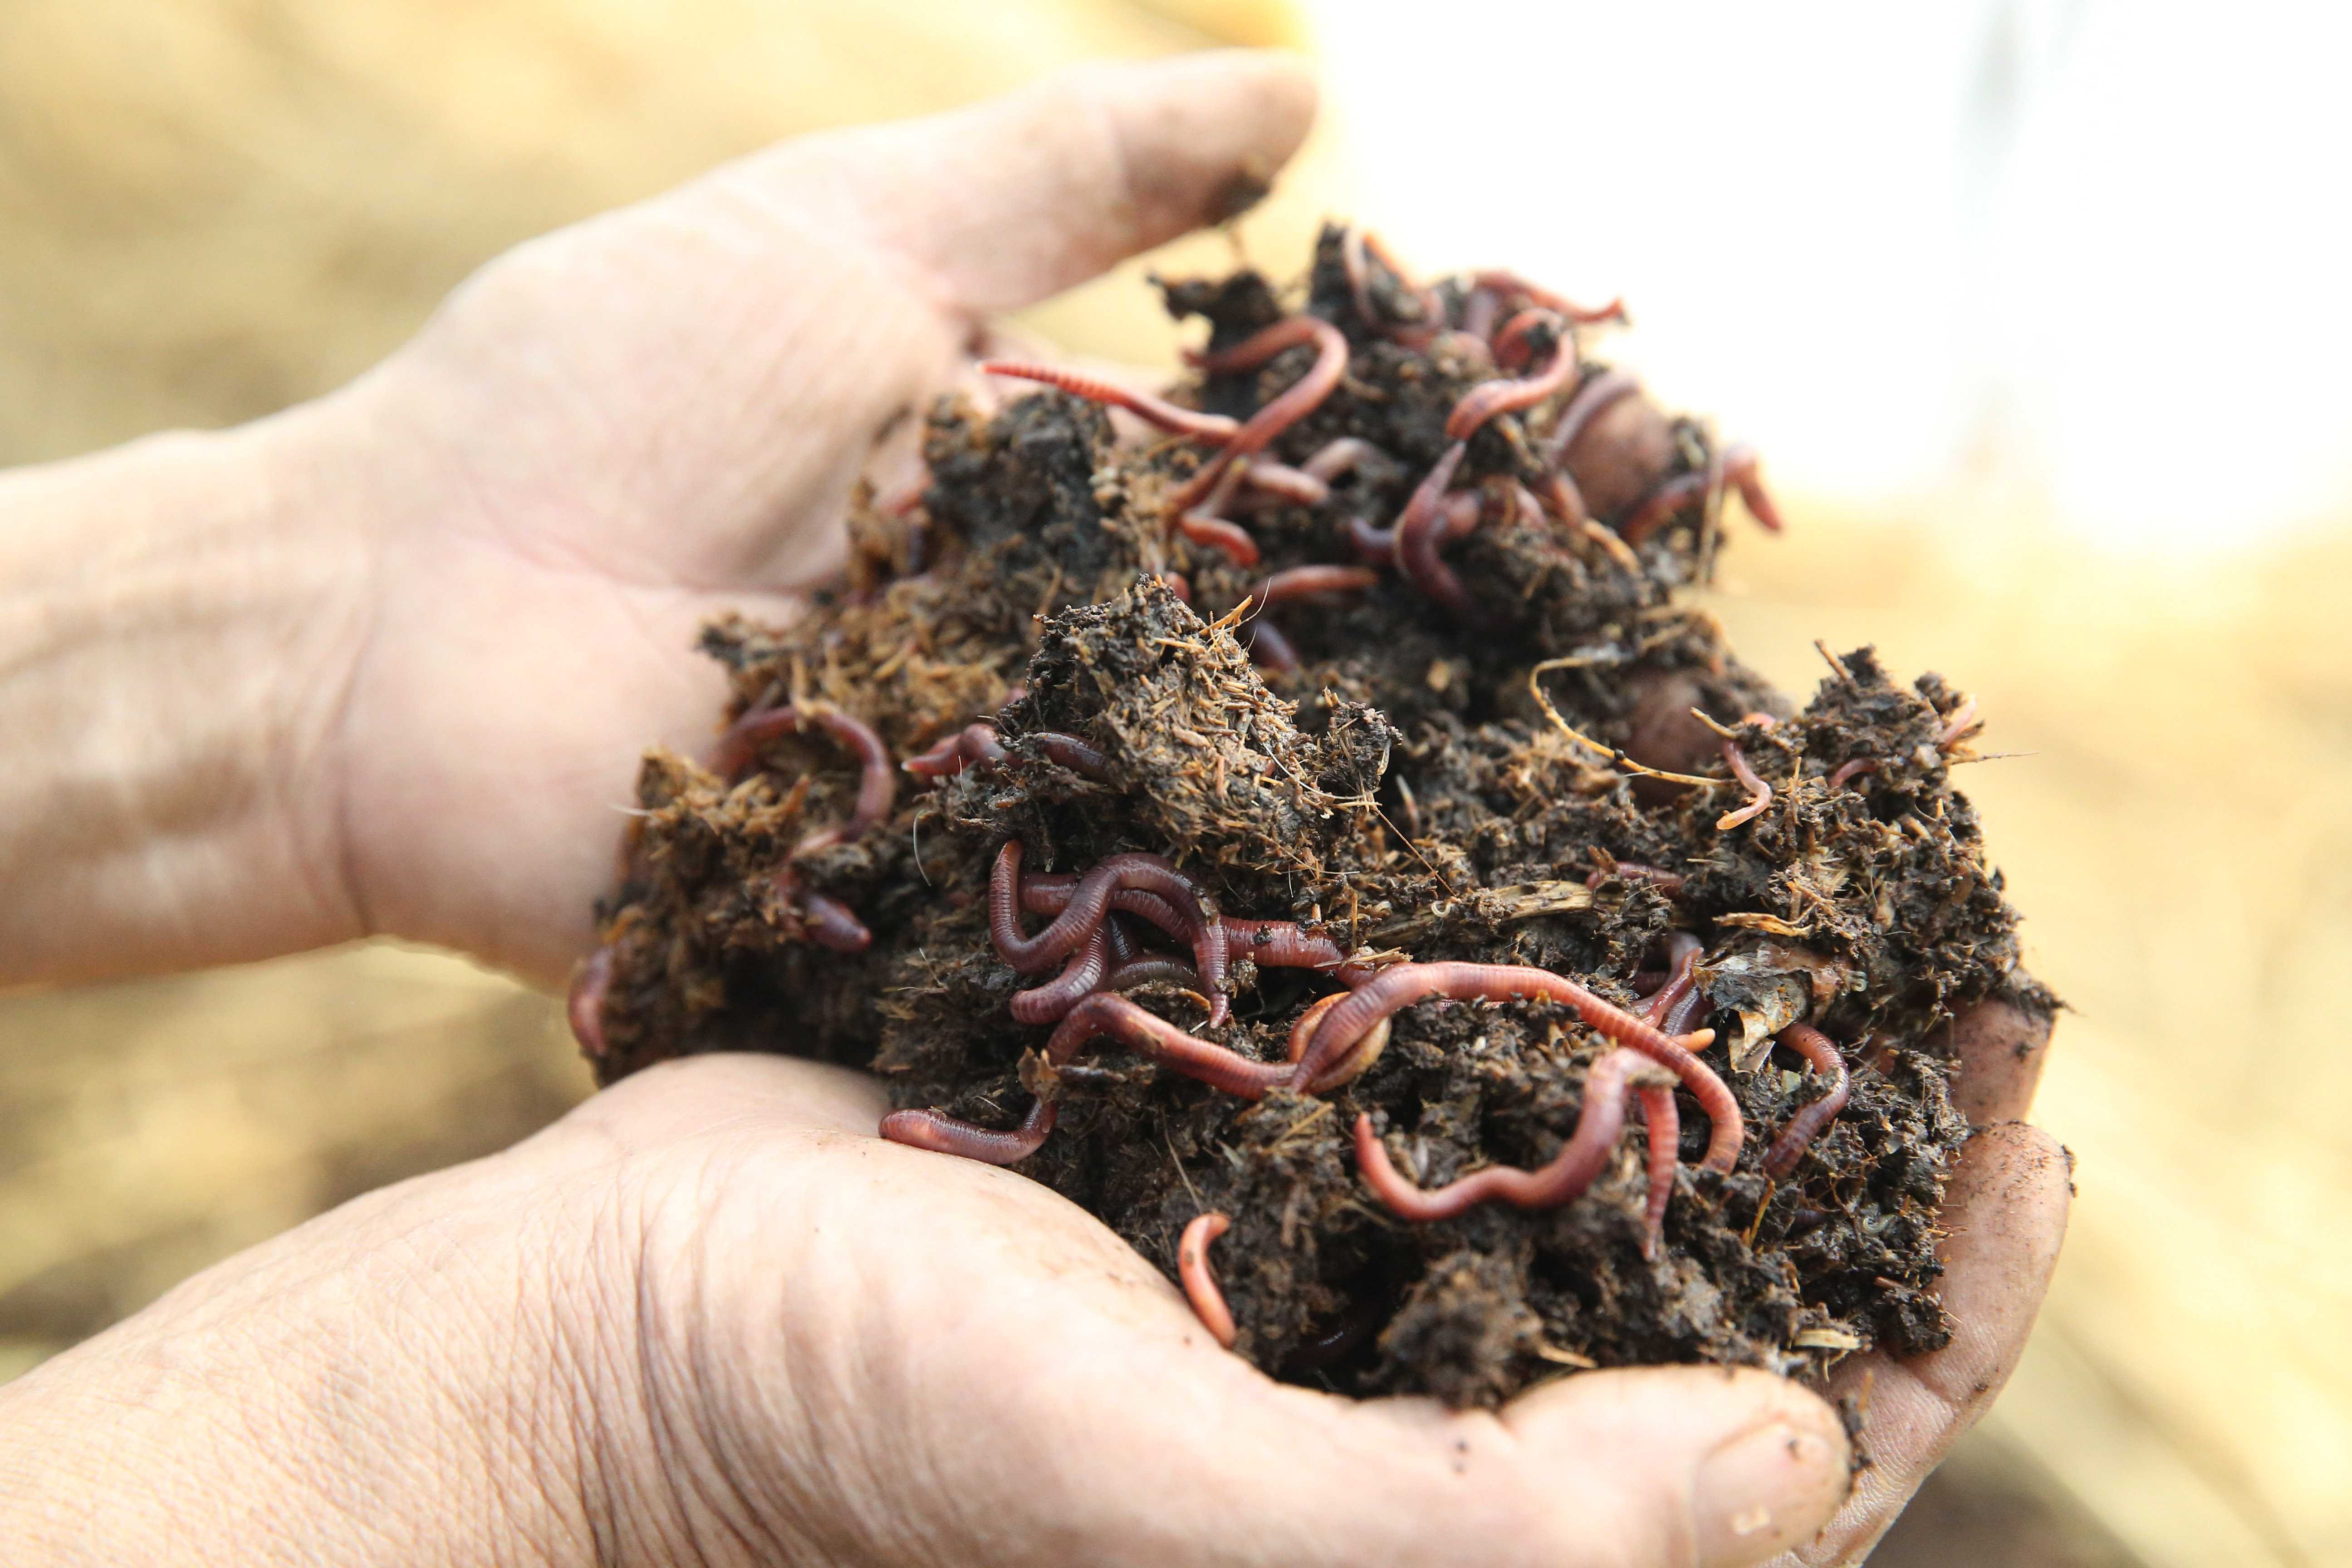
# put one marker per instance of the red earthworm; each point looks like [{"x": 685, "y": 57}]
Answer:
[
  {"x": 1852, "y": 768},
  {"x": 1490, "y": 398},
  {"x": 1089, "y": 901},
  {"x": 1284, "y": 482},
  {"x": 1049, "y": 893},
  {"x": 1760, "y": 794},
  {"x": 1403, "y": 984},
  {"x": 1665, "y": 1130},
  {"x": 830, "y": 924},
  {"x": 1174, "y": 582},
  {"x": 1303, "y": 582},
  {"x": 1416, "y": 541},
  {"x": 1044, "y": 1004},
  {"x": 945, "y": 1134},
  {"x": 1200, "y": 1280},
  {"x": 1478, "y": 314},
  {"x": 1821, "y": 1052},
  {"x": 1736, "y": 465},
  {"x": 970, "y": 746},
  {"x": 1269, "y": 649},
  {"x": 1361, "y": 1055},
  {"x": 1507, "y": 283},
  {"x": 1354, "y": 1324},
  {"x": 1683, "y": 960},
  {"x": 586, "y": 1004},
  {"x": 1561, "y": 1180},
  {"x": 1070, "y": 752},
  {"x": 1372, "y": 543},
  {"x": 1678, "y": 1018},
  {"x": 1459, "y": 519},
  {"x": 1151, "y": 967},
  {"x": 1203, "y": 526},
  {"x": 1667, "y": 882},
  {"x": 1565, "y": 501},
  {"x": 1117, "y": 934},
  {"x": 1157, "y": 411},
  {"x": 1963, "y": 719},
  {"x": 1591, "y": 398},
  {"x": 1104, "y": 1014},
  {"x": 1337, "y": 457},
  {"x": 1296, "y": 403},
  {"x": 878, "y": 784}
]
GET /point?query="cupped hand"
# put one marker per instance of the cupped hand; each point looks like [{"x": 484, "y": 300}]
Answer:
[
  {"x": 709, "y": 1318},
  {"x": 612, "y": 434}
]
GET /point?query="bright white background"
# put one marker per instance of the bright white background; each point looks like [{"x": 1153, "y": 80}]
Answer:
[{"x": 2082, "y": 258}]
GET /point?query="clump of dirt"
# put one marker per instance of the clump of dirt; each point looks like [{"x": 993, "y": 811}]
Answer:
[{"x": 1457, "y": 762}]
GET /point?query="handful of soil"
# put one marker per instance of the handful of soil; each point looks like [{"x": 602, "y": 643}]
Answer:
[{"x": 1302, "y": 822}]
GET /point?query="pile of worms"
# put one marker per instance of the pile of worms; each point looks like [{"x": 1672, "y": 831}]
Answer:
[{"x": 1573, "y": 453}]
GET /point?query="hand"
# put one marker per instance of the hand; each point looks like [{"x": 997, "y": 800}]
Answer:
[
  {"x": 709, "y": 1318},
  {"x": 613, "y": 434}
]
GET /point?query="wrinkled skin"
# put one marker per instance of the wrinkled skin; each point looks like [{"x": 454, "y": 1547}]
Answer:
[{"x": 710, "y": 1317}]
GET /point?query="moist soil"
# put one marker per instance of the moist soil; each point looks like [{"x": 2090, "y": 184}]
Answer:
[{"x": 1404, "y": 790}]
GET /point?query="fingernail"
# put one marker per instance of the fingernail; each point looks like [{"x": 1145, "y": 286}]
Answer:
[{"x": 1764, "y": 1491}]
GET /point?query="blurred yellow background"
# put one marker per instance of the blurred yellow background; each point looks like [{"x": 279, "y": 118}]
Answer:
[{"x": 2049, "y": 382}]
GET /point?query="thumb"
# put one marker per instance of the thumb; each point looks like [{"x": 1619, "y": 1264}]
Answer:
[{"x": 1007, "y": 202}]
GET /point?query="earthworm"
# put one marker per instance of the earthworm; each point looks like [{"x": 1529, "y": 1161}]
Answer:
[
  {"x": 1303, "y": 582},
  {"x": 1049, "y": 893},
  {"x": 1283, "y": 945},
  {"x": 1760, "y": 794},
  {"x": 945, "y": 1134},
  {"x": 1566, "y": 502},
  {"x": 1963, "y": 719},
  {"x": 1044, "y": 1004},
  {"x": 1678, "y": 1018},
  {"x": 1269, "y": 649},
  {"x": 1362, "y": 1055},
  {"x": 1174, "y": 582},
  {"x": 878, "y": 784},
  {"x": 1335, "y": 459},
  {"x": 1499, "y": 281},
  {"x": 830, "y": 924},
  {"x": 1103, "y": 1015},
  {"x": 1117, "y": 934},
  {"x": 1200, "y": 1280},
  {"x": 1070, "y": 752},
  {"x": 1287, "y": 483},
  {"x": 1300, "y": 399},
  {"x": 1666, "y": 1143},
  {"x": 1682, "y": 961},
  {"x": 1354, "y": 1324},
  {"x": 1591, "y": 398},
  {"x": 1401, "y": 985},
  {"x": 1151, "y": 967},
  {"x": 1157, "y": 411},
  {"x": 1667, "y": 882},
  {"x": 1561, "y": 1180},
  {"x": 1736, "y": 465},
  {"x": 1490, "y": 398},
  {"x": 1821, "y": 1052},
  {"x": 1416, "y": 537},
  {"x": 1089, "y": 901},
  {"x": 970, "y": 746},
  {"x": 1852, "y": 768},
  {"x": 1203, "y": 526},
  {"x": 586, "y": 1004}
]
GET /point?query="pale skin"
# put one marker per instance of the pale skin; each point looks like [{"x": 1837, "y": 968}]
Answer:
[{"x": 383, "y": 663}]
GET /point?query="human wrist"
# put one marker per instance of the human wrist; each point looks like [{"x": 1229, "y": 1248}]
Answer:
[{"x": 177, "y": 615}]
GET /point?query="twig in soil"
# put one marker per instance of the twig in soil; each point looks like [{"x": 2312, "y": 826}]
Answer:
[
  {"x": 1535, "y": 685},
  {"x": 1200, "y": 1280}
]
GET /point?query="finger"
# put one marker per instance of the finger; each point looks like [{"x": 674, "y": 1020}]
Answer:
[
  {"x": 2000, "y": 1047},
  {"x": 1008, "y": 202},
  {"x": 2006, "y": 1209}
]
